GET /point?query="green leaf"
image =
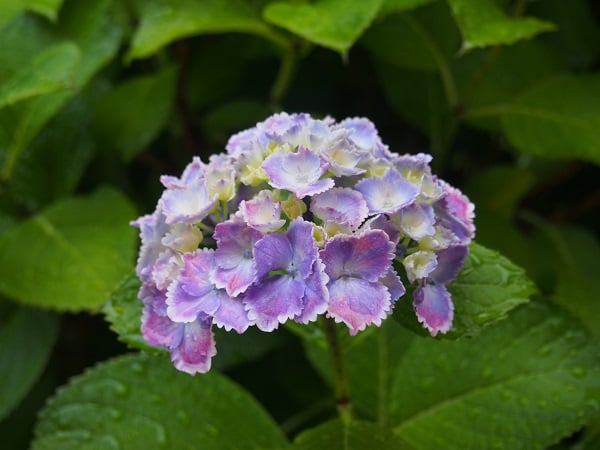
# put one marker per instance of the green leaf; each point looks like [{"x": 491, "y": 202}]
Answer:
[
  {"x": 489, "y": 78},
  {"x": 486, "y": 290},
  {"x": 165, "y": 21},
  {"x": 483, "y": 23},
  {"x": 134, "y": 112},
  {"x": 139, "y": 401},
  {"x": 335, "y": 24},
  {"x": 70, "y": 256},
  {"x": 425, "y": 39},
  {"x": 576, "y": 258},
  {"x": 578, "y": 36},
  {"x": 53, "y": 164},
  {"x": 52, "y": 70},
  {"x": 556, "y": 118},
  {"x": 397, "y": 6},
  {"x": 525, "y": 383},
  {"x": 123, "y": 311},
  {"x": 47, "y": 8},
  {"x": 26, "y": 340},
  {"x": 88, "y": 25},
  {"x": 369, "y": 359},
  {"x": 358, "y": 435}
]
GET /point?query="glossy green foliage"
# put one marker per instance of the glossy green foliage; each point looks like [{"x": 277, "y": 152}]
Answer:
[
  {"x": 140, "y": 402},
  {"x": 99, "y": 98},
  {"x": 483, "y": 23},
  {"x": 487, "y": 289},
  {"x": 26, "y": 337},
  {"x": 78, "y": 250}
]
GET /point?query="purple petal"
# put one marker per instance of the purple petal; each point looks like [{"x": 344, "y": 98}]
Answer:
[
  {"x": 262, "y": 213},
  {"x": 152, "y": 229},
  {"x": 302, "y": 241},
  {"x": 188, "y": 204},
  {"x": 196, "y": 348},
  {"x": 363, "y": 132},
  {"x": 274, "y": 301},
  {"x": 232, "y": 314},
  {"x": 272, "y": 252},
  {"x": 434, "y": 307},
  {"x": 358, "y": 303},
  {"x": 394, "y": 285},
  {"x": 387, "y": 194},
  {"x": 367, "y": 256},
  {"x": 234, "y": 256},
  {"x": 195, "y": 278},
  {"x": 166, "y": 269},
  {"x": 417, "y": 220},
  {"x": 298, "y": 172},
  {"x": 340, "y": 205},
  {"x": 316, "y": 295},
  {"x": 184, "y": 307},
  {"x": 159, "y": 330},
  {"x": 456, "y": 213},
  {"x": 450, "y": 261}
]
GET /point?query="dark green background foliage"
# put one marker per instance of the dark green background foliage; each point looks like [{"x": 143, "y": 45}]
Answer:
[{"x": 98, "y": 98}]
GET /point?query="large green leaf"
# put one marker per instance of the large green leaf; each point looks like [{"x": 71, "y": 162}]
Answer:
[
  {"x": 47, "y": 8},
  {"x": 397, "y": 6},
  {"x": 483, "y": 23},
  {"x": 486, "y": 290},
  {"x": 488, "y": 78},
  {"x": 425, "y": 39},
  {"x": 578, "y": 36},
  {"x": 26, "y": 340},
  {"x": 51, "y": 70},
  {"x": 523, "y": 384},
  {"x": 70, "y": 256},
  {"x": 139, "y": 401},
  {"x": 134, "y": 112},
  {"x": 576, "y": 258},
  {"x": 165, "y": 21},
  {"x": 357, "y": 435},
  {"x": 556, "y": 118},
  {"x": 86, "y": 24},
  {"x": 335, "y": 24}
]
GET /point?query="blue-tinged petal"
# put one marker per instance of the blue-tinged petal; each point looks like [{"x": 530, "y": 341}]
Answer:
[
  {"x": 272, "y": 252},
  {"x": 304, "y": 247},
  {"x": 316, "y": 295},
  {"x": 158, "y": 330},
  {"x": 195, "y": 277},
  {"x": 196, "y": 349},
  {"x": 232, "y": 314},
  {"x": 387, "y": 194},
  {"x": 188, "y": 204},
  {"x": 417, "y": 220},
  {"x": 236, "y": 269},
  {"x": 434, "y": 308},
  {"x": 298, "y": 172},
  {"x": 449, "y": 263},
  {"x": 358, "y": 303},
  {"x": 393, "y": 283},
  {"x": 274, "y": 300},
  {"x": 367, "y": 256},
  {"x": 341, "y": 206},
  {"x": 184, "y": 307},
  {"x": 363, "y": 133},
  {"x": 152, "y": 229},
  {"x": 455, "y": 212},
  {"x": 262, "y": 213}
]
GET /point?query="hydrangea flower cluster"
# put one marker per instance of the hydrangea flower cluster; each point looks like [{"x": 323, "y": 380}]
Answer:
[{"x": 300, "y": 217}]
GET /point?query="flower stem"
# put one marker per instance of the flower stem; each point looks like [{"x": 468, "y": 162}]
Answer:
[{"x": 340, "y": 383}]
